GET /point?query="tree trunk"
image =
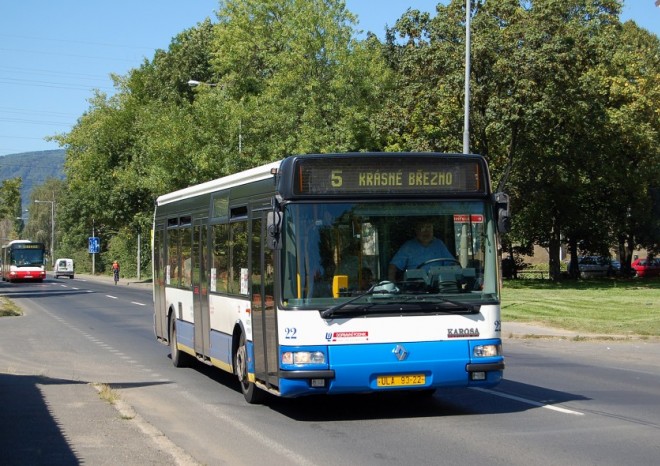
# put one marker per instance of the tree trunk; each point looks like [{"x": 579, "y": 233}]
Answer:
[
  {"x": 573, "y": 268},
  {"x": 554, "y": 249}
]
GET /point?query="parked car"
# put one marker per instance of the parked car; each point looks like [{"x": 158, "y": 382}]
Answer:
[
  {"x": 595, "y": 266},
  {"x": 646, "y": 267},
  {"x": 616, "y": 267}
]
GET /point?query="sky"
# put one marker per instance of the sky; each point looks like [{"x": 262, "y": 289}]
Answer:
[{"x": 54, "y": 53}]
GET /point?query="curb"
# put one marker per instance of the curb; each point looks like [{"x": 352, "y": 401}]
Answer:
[{"x": 126, "y": 411}]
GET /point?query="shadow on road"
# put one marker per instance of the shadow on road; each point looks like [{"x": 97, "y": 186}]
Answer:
[
  {"x": 444, "y": 403},
  {"x": 29, "y": 434}
]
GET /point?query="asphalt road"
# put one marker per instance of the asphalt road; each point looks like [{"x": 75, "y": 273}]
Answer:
[{"x": 563, "y": 401}]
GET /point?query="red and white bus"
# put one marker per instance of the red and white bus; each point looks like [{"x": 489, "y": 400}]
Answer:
[{"x": 23, "y": 260}]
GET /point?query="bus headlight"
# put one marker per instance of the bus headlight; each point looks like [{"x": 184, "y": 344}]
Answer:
[
  {"x": 303, "y": 357},
  {"x": 485, "y": 351}
]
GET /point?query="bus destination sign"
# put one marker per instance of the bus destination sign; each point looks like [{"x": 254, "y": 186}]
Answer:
[
  {"x": 389, "y": 175},
  {"x": 28, "y": 246}
]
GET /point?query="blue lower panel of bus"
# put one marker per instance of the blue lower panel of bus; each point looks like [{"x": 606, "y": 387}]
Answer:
[
  {"x": 221, "y": 347},
  {"x": 220, "y": 343},
  {"x": 185, "y": 333},
  {"x": 404, "y": 366}
]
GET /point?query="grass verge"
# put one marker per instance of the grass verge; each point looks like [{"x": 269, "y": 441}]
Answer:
[
  {"x": 602, "y": 306},
  {"x": 8, "y": 308}
]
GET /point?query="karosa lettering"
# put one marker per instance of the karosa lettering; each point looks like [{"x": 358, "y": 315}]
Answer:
[
  {"x": 462, "y": 332},
  {"x": 418, "y": 178}
]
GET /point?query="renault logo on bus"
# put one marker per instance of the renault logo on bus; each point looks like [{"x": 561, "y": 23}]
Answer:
[{"x": 400, "y": 352}]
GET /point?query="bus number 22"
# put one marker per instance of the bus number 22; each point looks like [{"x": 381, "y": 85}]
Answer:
[{"x": 290, "y": 333}]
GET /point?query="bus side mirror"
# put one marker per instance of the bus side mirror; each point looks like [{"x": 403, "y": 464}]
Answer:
[
  {"x": 502, "y": 212},
  {"x": 273, "y": 230}
]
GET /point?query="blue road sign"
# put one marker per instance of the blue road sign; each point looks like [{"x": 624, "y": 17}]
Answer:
[{"x": 94, "y": 245}]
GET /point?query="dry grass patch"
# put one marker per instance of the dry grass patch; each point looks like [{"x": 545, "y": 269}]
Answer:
[{"x": 9, "y": 308}]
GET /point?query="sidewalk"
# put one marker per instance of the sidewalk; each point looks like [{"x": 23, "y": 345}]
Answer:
[
  {"x": 62, "y": 421},
  {"x": 520, "y": 330},
  {"x": 65, "y": 422},
  {"x": 524, "y": 330},
  {"x": 146, "y": 283}
]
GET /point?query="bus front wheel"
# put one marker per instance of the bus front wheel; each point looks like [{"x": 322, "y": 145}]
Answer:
[
  {"x": 179, "y": 358},
  {"x": 251, "y": 393}
]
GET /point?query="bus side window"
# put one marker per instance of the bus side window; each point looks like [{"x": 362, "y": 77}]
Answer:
[
  {"x": 238, "y": 247},
  {"x": 185, "y": 276},
  {"x": 173, "y": 255},
  {"x": 220, "y": 256}
]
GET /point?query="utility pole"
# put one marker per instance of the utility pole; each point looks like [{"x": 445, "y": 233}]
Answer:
[
  {"x": 466, "y": 105},
  {"x": 93, "y": 255}
]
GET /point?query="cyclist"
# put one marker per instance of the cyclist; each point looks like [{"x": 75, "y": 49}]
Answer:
[{"x": 115, "y": 271}]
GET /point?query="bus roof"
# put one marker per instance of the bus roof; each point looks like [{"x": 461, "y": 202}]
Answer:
[
  {"x": 254, "y": 174},
  {"x": 16, "y": 241},
  {"x": 470, "y": 168}
]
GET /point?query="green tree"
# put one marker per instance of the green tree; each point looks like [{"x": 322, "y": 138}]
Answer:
[
  {"x": 295, "y": 80},
  {"x": 535, "y": 113},
  {"x": 41, "y": 215},
  {"x": 283, "y": 77},
  {"x": 10, "y": 209},
  {"x": 633, "y": 82},
  {"x": 128, "y": 148}
]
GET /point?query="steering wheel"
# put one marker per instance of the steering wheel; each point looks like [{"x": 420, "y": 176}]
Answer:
[{"x": 443, "y": 260}]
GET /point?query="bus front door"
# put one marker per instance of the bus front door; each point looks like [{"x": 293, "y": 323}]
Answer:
[
  {"x": 200, "y": 287},
  {"x": 160, "y": 311},
  {"x": 264, "y": 318}
]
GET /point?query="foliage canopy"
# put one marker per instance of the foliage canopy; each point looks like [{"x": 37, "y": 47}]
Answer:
[{"x": 564, "y": 106}]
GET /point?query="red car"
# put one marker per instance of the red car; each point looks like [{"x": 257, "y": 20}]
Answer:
[{"x": 646, "y": 267}]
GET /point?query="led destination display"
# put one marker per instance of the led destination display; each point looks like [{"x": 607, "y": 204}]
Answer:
[{"x": 389, "y": 175}]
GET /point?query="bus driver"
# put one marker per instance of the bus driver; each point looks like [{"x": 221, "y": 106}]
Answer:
[{"x": 423, "y": 247}]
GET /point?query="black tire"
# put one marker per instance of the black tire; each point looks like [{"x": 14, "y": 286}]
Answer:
[
  {"x": 251, "y": 393},
  {"x": 179, "y": 358}
]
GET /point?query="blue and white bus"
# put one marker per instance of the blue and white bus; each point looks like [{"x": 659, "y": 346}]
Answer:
[{"x": 279, "y": 275}]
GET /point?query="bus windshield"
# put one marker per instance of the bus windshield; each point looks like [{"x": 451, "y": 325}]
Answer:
[
  {"x": 389, "y": 253},
  {"x": 27, "y": 257}
]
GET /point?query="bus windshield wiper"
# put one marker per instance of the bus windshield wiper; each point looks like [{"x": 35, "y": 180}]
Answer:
[
  {"x": 436, "y": 299},
  {"x": 380, "y": 288},
  {"x": 331, "y": 310},
  {"x": 474, "y": 308}
]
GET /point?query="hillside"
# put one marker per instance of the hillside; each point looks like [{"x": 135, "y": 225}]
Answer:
[{"x": 33, "y": 167}]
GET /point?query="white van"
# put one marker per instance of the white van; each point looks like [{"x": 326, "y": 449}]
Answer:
[{"x": 64, "y": 268}]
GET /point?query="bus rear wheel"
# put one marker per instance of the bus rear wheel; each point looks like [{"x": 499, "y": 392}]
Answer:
[{"x": 251, "y": 393}]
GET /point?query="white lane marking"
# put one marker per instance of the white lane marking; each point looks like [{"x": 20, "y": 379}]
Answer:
[
  {"x": 110, "y": 296},
  {"x": 138, "y": 304},
  {"x": 529, "y": 402}
]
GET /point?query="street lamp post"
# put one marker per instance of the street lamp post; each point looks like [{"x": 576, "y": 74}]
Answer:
[
  {"x": 52, "y": 226},
  {"x": 22, "y": 219},
  {"x": 195, "y": 83},
  {"x": 466, "y": 104}
]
